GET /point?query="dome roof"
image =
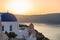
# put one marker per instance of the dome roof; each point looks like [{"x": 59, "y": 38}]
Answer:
[{"x": 8, "y": 17}]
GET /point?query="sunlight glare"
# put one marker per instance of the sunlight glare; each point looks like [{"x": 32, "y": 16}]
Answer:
[{"x": 19, "y": 7}]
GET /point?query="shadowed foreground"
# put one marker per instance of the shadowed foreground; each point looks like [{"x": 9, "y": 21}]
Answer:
[{"x": 40, "y": 36}]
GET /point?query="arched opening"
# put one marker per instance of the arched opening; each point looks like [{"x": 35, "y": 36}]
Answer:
[
  {"x": 2, "y": 28},
  {"x": 10, "y": 27}
]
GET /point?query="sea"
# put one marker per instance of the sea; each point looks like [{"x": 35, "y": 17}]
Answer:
[{"x": 50, "y": 31}]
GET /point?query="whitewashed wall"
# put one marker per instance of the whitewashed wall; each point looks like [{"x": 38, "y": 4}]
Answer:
[{"x": 15, "y": 26}]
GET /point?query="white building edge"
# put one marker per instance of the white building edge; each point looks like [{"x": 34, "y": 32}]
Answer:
[{"x": 10, "y": 24}]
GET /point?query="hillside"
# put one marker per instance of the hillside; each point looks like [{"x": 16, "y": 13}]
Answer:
[{"x": 47, "y": 18}]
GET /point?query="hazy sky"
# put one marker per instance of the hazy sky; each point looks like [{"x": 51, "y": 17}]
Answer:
[{"x": 30, "y": 6}]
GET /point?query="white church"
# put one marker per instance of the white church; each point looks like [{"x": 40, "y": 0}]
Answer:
[{"x": 10, "y": 23}]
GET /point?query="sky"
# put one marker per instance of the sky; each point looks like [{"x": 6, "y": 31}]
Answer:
[{"x": 30, "y": 7}]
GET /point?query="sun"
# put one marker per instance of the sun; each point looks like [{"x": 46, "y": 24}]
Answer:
[{"x": 19, "y": 7}]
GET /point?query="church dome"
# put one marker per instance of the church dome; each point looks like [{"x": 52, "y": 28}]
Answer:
[{"x": 8, "y": 17}]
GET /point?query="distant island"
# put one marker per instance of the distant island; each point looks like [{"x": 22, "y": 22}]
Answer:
[{"x": 53, "y": 18}]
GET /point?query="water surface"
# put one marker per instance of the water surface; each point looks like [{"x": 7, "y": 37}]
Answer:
[{"x": 50, "y": 31}]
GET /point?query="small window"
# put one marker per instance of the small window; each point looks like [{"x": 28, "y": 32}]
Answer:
[
  {"x": 11, "y": 28},
  {"x": 2, "y": 28}
]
